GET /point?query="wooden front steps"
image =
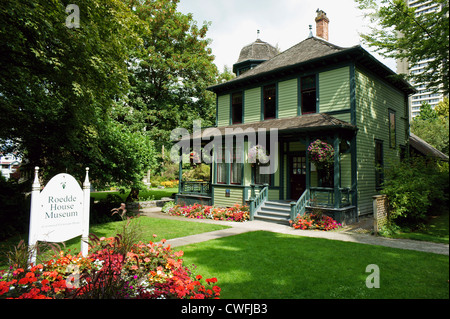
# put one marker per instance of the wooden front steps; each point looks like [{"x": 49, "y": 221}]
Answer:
[{"x": 274, "y": 211}]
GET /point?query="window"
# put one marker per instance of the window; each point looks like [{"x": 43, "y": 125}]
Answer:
[
  {"x": 379, "y": 165},
  {"x": 392, "y": 129},
  {"x": 221, "y": 177},
  {"x": 261, "y": 178},
  {"x": 236, "y": 108},
  {"x": 236, "y": 166},
  {"x": 308, "y": 94},
  {"x": 270, "y": 101}
]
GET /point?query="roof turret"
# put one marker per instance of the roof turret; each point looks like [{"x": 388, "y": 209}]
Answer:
[{"x": 254, "y": 54}]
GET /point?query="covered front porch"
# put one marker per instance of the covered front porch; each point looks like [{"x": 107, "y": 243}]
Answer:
[{"x": 298, "y": 185}]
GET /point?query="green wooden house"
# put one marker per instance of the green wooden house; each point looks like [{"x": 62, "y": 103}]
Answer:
[{"x": 314, "y": 90}]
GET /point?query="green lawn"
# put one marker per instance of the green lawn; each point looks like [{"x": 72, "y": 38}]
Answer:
[
  {"x": 277, "y": 266},
  {"x": 163, "y": 228},
  {"x": 436, "y": 230},
  {"x": 148, "y": 194}
]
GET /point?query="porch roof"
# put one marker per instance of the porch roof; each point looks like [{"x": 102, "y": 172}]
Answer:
[
  {"x": 424, "y": 148},
  {"x": 304, "y": 123}
]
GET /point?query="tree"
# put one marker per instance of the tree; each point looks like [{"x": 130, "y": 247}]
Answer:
[
  {"x": 226, "y": 75},
  {"x": 426, "y": 112},
  {"x": 59, "y": 85},
  {"x": 400, "y": 34},
  {"x": 170, "y": 71},
  {"x": 432, "y": 128},
  {"x": 442, "y": 108}
]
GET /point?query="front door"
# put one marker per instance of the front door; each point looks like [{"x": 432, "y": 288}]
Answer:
[{"x": 297, "y": 173}]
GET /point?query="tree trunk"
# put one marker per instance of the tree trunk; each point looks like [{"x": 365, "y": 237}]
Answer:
[{"x": 134, "y": 195}]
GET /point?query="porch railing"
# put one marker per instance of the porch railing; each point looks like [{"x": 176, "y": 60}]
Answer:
[
  {"x": 299, "y": 207},
  {"x": 257, "y": 200},
  {"x": 325, "y": 197},
  {"x": 195, "y": 188},
  {"x": 320, "y": 197}
]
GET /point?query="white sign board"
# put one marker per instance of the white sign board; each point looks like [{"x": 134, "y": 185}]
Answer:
[
  {"x": 59, "y": 212},
  {"x": 60, "y": 215}
]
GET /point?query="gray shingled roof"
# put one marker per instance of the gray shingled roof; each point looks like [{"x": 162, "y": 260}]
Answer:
[
  {"x": 303, "y": 123},
  {"x": 311, "y": 53},
  {"x": 258, "y": 50},
  {"x": 424, "y": 148},
  {"x": 308, "y": 49}
]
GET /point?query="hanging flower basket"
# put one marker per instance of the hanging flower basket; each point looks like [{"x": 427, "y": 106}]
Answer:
[
  {"x": 258, "y": 155},
  {"x": 321, "y": 154}
]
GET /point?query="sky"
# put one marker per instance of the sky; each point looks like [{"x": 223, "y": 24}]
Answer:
[{"x": 282, "y": 23}]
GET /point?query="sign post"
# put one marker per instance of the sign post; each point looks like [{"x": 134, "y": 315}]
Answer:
[
  {"x": 86, "y": 205},
  {"x": 59, "y": 212}
]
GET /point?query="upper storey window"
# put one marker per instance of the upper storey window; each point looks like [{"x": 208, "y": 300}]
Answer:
[
  {"x": 392, "y": 129},
  {"x": 236, "y": 108},
  {"x": 270, "y": 101},
  {"x": 308, "y": 94}
]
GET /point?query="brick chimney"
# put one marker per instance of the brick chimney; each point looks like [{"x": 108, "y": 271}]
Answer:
[{"x": 322, "y": 25}]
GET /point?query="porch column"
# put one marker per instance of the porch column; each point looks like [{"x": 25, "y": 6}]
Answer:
[
  {"x": 308, "y": 168},
  {"x": 354, "y": 188},
  {"x": 180, "y": 176},
  {"x": 337, "y": 173}
]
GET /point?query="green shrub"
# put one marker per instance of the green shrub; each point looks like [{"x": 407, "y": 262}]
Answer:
[
  {"x": 413, "y": 187},
  {"x": 101, "y": 210},
  {"x": 167, "y": 206},
  {"x": 15, "y": 212}
]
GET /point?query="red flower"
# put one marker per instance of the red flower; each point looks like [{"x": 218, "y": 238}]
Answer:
[
  {"x": 211, "y": 280},
  {"x": 23, "y": 281}
]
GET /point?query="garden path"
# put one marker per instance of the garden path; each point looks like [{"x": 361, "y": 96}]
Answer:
[{"x": 349, "y": 234}]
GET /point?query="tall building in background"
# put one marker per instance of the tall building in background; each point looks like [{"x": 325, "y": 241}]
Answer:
[{"x": 423, "y": 94}]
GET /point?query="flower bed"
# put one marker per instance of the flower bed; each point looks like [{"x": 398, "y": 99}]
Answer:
[
  {"x": 314, "y": 221},
  {"x": 237, "y": 213},
  {"x": 146, "y": 271}
]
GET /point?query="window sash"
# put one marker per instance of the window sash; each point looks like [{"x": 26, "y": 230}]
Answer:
[
  {"x": 308, "y": 94},
  {"x": 270, "y": 101},
  {"x": 236, "y": 173},
  {"x": 392, "y": 130},
  {"x": 236, "y": 108},
  {"x": 221, "y": 167},
  {"x": 261, "y": 178},
  {"x": 236, "y": 165}
]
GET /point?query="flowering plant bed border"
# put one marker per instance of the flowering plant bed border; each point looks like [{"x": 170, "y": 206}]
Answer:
[
  {"x": 311, "y": 221},
  {"x": 111, "y": 270},
  {"x": 237, "y": 213}
]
